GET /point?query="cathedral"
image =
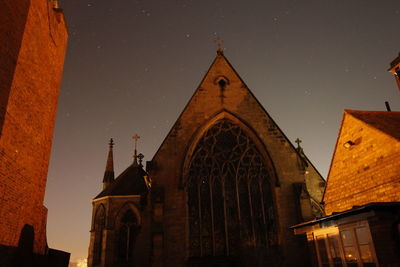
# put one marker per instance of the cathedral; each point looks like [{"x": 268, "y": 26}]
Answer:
[{"x": 223, "y": 189}]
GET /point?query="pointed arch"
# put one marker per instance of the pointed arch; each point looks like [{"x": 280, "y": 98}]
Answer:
[
  {"x": 228, "y": 177},
  {"x": 127, "y": 225},
  {"x": 224, "y": 114},
  {"x": 99, "y": 224},
  {"x": 128, "y": 206}
]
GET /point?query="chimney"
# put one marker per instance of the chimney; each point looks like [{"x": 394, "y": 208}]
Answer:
[{"x": 387, "y": 106}]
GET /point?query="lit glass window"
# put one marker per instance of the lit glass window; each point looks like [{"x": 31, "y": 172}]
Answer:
[
  {"x": 364, "y": 246},
  {"x": 349, "y": 247},
  {"x": 335, "y": 250}
]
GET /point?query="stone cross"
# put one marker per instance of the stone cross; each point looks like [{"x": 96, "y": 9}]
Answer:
[
  {"x": 298, "y": 141},
  {"x": 136, "y": 138},
  {"x": 219, "y": 43}
]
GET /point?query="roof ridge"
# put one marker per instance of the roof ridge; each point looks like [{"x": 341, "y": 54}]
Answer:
[{"x": 371, "y": 111}]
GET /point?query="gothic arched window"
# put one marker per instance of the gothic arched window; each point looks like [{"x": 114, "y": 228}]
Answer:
[
  {"x": 126, "y": 236},
  {"x": 229, "y": 195},
  {"x": 99, "y": 224}
]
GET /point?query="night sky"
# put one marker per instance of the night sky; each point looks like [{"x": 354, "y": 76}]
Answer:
[{"x": 131, "y": 67}]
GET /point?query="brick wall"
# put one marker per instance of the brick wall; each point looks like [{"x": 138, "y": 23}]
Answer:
[
  {"x": 33, "y": 41},
  {"x": 366, "y": 172}
]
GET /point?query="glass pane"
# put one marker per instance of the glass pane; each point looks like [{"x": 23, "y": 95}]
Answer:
[
  {"x": 362, "y": 235},
  {"x": 323, "y": 254},
  {"x": 334, "y": 249},
  {"x": 219, "y": 221},
  {"x": 366, "y": 255},
  {"x": 232, "y": 215},
  {"x": 206, "y": 231},
  {"x": 228, "y": 210},
  {"x": 351, "y": 255},
  {"x": 347, "y": 238},
  {"x": 245, "y": 212}
]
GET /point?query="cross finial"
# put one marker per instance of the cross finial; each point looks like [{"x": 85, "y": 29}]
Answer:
[
  {"x": 140, "y": 157},
  {"x": 219, "y": 43},
  {"x": 136, "y": 138},
  {"x": 111, "y": 143},
  {"x": 298, "y": 141}
]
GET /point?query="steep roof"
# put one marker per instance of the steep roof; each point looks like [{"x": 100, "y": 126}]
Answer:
[
  {"x": 384, "y": 121},
  {"x": 361, "y": 169},
  {"x": 129, "y": 182}
]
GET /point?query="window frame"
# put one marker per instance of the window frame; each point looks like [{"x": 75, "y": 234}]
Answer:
[{"x": 325, "y": 233}]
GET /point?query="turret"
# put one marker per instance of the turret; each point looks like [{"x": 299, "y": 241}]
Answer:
[{"x": 109, "y": 172}]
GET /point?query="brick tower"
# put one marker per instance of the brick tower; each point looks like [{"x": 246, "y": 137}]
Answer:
[{"x": 33, "y": 39}]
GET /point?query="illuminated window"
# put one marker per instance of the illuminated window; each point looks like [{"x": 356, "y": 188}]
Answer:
[
  {"x": 349, "y": 246},
  {"x": 345, "y": 245},
  {"x": 229, "y": 196},
  {"x": 334, "y": 249},
  {"x": 362, "y": 234}
]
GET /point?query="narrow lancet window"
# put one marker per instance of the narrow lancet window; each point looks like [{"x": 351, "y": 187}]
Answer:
[{"x": 127, "y": 232}]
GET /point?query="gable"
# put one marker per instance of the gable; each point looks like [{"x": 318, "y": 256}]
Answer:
[
  {"x": 362, "y": 168},
  {"x": 222, "y": 91}
]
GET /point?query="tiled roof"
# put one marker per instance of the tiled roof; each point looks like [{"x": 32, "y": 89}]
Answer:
[
  {"x": 129, "y": 182},
  {"x": 384, "y": 121}
]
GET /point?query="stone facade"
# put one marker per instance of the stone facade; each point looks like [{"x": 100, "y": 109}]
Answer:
[
  {"x": 33, "y": 38},
  {"x": 364, "y": 167},
  {"x": 222, "y": 95},
  {"x": 121, "y": 218},
  {"x": 114, "y": 208},
  {"x": 278, "y": 187}
]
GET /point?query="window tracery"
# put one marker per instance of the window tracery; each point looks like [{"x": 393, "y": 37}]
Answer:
[{"x": 229, "y": 197}]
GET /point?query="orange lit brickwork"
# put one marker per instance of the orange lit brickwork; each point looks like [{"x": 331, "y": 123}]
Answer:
[
  {"x": 366, "y": 169},
  {"x": 33, "y": 39}
]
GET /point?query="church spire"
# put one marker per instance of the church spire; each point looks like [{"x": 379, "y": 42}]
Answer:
[{"x": 109, "y": 172}]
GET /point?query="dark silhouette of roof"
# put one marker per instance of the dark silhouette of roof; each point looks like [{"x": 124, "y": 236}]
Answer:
[
  {"x": 129, "y": 182},
  {"x": 387, "y": 122}
]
